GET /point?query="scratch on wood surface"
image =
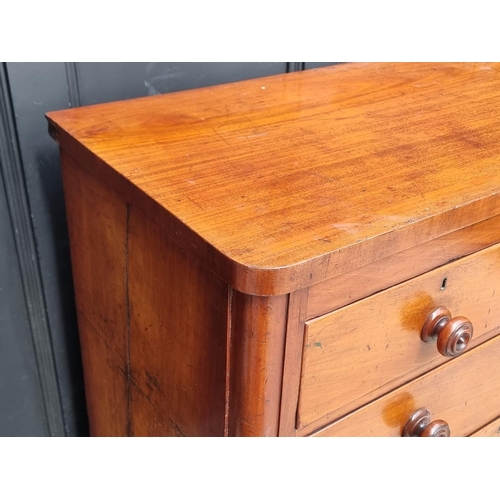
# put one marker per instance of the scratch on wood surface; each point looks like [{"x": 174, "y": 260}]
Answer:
[{"x": 177, "y": 428}]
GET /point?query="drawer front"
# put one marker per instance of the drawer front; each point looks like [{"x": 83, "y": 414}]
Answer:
[
  {"x": 366, "y": 349},
  {"x": 464, "y": 392},
  {"x": 489, "y": 430}
]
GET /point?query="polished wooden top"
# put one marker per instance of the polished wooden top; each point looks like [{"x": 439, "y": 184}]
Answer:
[{"x": 288, "y": 180}]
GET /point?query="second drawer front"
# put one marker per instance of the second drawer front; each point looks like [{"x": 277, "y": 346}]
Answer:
[
  {"x": 489, "y": 430},
  {"x": 366, "y": 349},
  {"x": 465, "y": 393}
]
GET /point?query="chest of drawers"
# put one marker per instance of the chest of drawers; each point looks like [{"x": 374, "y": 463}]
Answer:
[{"x": 307, "y": 254}]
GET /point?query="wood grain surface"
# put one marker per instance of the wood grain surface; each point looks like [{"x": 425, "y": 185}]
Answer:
[
  {"x": 221, "y": 237},
  {"x": 257, "y": 347},
  {"x": 490, "y": 430},
  {"x": 286, "y": 181},
  {"x": 178, "y": 325},
  {"x": 464, "y": 392},
  {"x": 297, "y": 309},
  {"x": 365, "y": 349},
  {"x": 97, "y": 219},
  {"x": 153, "y": 320}
]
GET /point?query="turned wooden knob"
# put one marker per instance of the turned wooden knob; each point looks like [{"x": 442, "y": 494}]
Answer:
[
  {"x": 420, "y": 425},
  {"x": 452, "y": 334}
]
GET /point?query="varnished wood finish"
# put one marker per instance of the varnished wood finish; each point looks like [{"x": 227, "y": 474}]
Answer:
[
  {"x": 178, "y": 323},
  {"x": 286, "y": 181},
  {"x": 370, "y": 347},
  {"x": 360, "y": 283},
  {"x": 490, "y": 430},
  {"x": 257, "y": 349},
  {"x": 326, "y": 420},
  {"x": 258, "y": 258},
  {"x": 97, "y": 219},
  {"x": 297, "y": 309},
  {"x": 466, "y": 391},
  {"x": 172, "y": 379}
]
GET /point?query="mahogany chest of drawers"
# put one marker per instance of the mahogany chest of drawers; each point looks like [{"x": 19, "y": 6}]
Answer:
[{"x": 315, "y": 253}]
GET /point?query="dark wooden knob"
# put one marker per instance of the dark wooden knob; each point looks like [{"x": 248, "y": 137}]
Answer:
[
  {"x": 420, "y": 425},
  {"x": 452, "y": 334}
]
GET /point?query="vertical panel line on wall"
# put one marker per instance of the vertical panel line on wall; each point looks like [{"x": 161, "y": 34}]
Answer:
[
  {"x": 295, "y": 66},
  {"x": 20, "y": 215},
  {"x": 73, "y": 84}
]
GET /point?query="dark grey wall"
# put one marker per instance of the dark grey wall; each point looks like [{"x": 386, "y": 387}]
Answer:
[
  {"x": 41, "y": 384},
  {"x": 21, "y": 403}
]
